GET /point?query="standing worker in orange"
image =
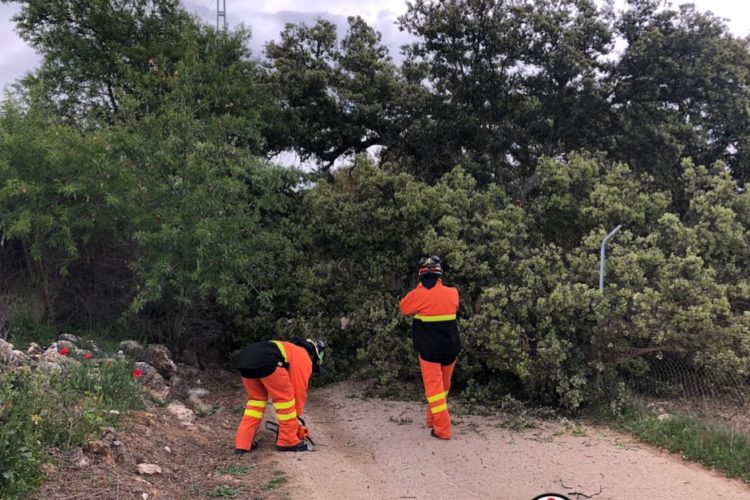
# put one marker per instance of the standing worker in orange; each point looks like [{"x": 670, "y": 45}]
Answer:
[
  {"x": 436, "y": 339},
  {"x": 282, "y": 370}
]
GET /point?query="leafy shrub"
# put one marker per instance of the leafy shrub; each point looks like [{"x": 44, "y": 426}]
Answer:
[
  {"x": 533, "y": 320},
  {"x": 44, "y": 409}
]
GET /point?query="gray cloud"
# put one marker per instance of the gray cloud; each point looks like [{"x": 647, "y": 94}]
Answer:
[
  {"x": 16, "y": 58},
  {"x": 267, "y": 26}
]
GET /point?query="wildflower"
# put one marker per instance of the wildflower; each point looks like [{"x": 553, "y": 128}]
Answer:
[
  {"x": 87, "y": 355},
  {"x": 137, "y": 373},
  {"x": 36, "y": 419},
  {"x": 63, "y": 351}
]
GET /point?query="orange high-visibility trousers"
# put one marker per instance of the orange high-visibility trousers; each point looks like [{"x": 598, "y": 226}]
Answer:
[
  {"x": 437, "y": 383},
  {"x": 279, "y": 386}
]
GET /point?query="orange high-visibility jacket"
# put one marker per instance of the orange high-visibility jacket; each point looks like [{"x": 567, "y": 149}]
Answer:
[{"x": 434, "y": 329}]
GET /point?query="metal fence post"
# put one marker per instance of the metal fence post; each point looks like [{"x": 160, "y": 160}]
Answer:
[{"x": 602, "y": 255}]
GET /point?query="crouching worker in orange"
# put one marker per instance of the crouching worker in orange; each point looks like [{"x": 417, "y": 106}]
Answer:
[
  {"x": 282, "y": 370},
  {"x": 436, "y": 339}
]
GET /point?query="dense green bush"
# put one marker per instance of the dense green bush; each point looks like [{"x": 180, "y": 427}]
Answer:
[
  {"x": 40, "y": 410},
  {"x": 532, "y": 316}
]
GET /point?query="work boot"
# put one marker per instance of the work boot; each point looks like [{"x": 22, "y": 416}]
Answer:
[
  {"x": 240, "y": 451},
  {"x": 432, "y": 433},
  {"x": 301, "y": 446}
]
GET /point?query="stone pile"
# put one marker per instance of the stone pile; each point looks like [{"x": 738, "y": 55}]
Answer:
[{"x": 162, "y": 379}]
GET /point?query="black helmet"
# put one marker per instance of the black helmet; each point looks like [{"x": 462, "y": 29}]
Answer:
[
  {"x": 315, "y": 348},
  {"x": 430, "y": 265}
]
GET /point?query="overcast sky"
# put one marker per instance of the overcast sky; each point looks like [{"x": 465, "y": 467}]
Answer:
[{"x": 267, "y": 18}]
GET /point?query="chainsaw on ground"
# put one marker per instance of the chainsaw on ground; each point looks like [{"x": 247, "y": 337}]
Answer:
[{"x": 303, "y": 435}]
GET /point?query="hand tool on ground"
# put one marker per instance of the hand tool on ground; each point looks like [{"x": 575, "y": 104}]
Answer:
[{"x": 274, "y": 427}]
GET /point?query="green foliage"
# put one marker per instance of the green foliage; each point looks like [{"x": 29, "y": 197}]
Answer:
[
  {"x": 337, "y": 99},
  {"x": 680, "y": 90},
  {"x": 280, "y": 479},
  {"x": 532, "y": 318},
  {"x": 224, "y": 491},
  {"x": 58, "y": 188},
  {"x": 508, "y": 81},
  {"x": 44, "y": 409},
  {"x": 94, "y": 50},
  {"x": 207, "y": 217},
  {"x": 162, "y": 204}
]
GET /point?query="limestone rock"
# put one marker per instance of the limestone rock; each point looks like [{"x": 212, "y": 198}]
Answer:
[
  {"x": 148, "y": 469},
  {"x": 153, "y": 382},
  {"x": 97, "y": 447},
  {"x": 6, "y": 353},
  {"x": 20, "y": 358},
  {"x": 65, "y": 344},
  {"x": 178, "y": 388},
  {"x": 69, "y": 338},
  {"x": 34, "y": 349},
  {"x": 52, "y": 358},
  {"x": 195, "y": 402},
  {"x": 133, "y": 349},
  {"x": 160, "y": 358},
  {"x": 181, "y": 412},
  {"x": 119, "y": 449},
  {"x": 146, "y": 369}
]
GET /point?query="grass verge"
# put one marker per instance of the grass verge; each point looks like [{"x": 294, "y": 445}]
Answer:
[{"x": 712, "y": 444}]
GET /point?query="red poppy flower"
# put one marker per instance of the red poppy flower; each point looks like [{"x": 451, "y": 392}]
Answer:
[
  {"x": 87, "y": 355},
  {"x": 137, "y": 373},
  {"x": 63, "y": 351}
]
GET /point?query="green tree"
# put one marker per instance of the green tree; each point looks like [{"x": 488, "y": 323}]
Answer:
[
  {"x": 59, "y": 188},
  {"x": 681, "y": 89},
  {"x": 509, "y": 81},
  {"x": 336, "y": 99},
  {"x": 92, "y": 49},
  {"x": 206, "y": 219},
  {"x": 107, "y": 62}
]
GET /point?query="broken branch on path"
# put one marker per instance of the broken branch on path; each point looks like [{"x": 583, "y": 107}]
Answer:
[{"x": 584, "y": 495}]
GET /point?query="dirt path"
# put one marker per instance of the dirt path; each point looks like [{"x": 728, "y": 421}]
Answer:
[
  {"x": 382, "y": 450},
  {"x": 374, "y": 449}
]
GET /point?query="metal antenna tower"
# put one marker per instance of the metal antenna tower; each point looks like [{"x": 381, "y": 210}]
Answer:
[{"x": 221, "y": 16}]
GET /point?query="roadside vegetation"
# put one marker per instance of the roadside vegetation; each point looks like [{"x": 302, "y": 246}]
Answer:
[{"x": 137, "y": 199}]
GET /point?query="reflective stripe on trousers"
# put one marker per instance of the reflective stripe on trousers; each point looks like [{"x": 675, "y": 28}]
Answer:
[
  {"x": 279, "y": 387},
  {"x": 437, "y": 383}
]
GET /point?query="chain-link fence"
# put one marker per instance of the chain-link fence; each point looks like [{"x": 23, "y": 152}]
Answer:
[{"x": 671, "y": 383}]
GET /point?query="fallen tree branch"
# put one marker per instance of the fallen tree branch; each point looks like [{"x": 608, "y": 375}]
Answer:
[{"x": 584, "y": 495}]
